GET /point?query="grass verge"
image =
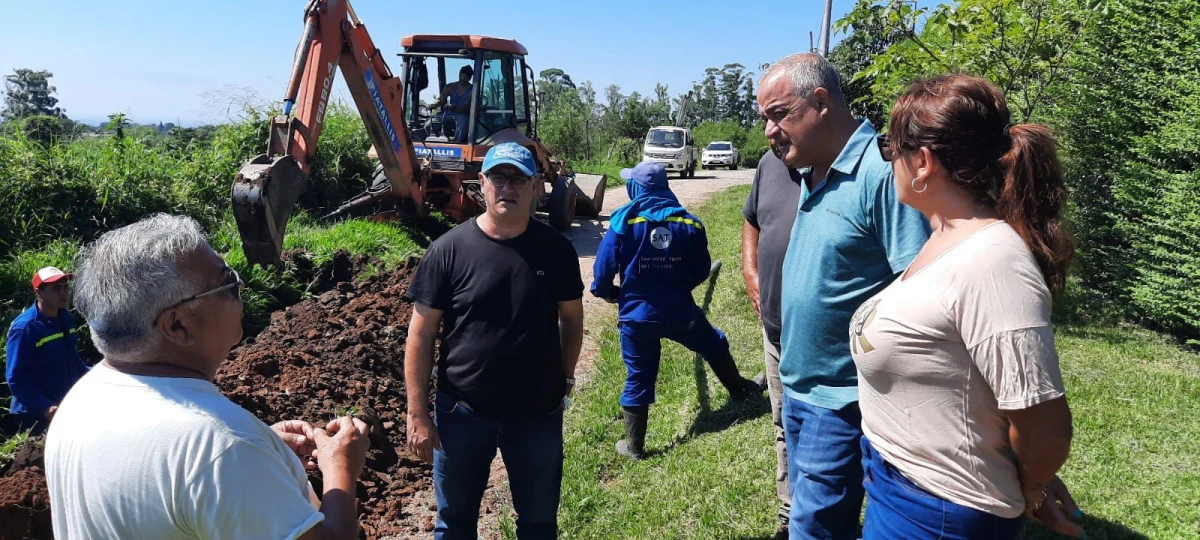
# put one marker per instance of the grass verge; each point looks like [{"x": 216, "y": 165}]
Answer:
[
  {"x": 612, "y": 169},
  {"x": 1134, "y": 468}
]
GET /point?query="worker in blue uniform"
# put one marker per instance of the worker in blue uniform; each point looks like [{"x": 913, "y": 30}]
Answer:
[
  {"x": 660, "y": 251},
  {"x": 42, "y": 360}
]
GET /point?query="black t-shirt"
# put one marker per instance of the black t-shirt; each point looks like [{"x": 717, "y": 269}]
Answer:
[
  {"x": 500, "y": 349},
  {"x": 771, "y": 208}
]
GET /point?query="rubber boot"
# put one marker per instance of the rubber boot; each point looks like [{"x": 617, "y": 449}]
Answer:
[
  {"x": 739, "y": 387},
  {"x": 633, "y": 446}
]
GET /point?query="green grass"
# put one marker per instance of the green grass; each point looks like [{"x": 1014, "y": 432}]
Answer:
[
  {"x": 1134, "y": 467},
  {"x": 611, "y": 168},
  {"x": 8, "y": 448}
]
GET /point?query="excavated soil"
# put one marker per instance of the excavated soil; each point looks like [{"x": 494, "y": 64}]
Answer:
[
  {"x": 339, "y": 353},
  {"x": 24, "y": 498}
]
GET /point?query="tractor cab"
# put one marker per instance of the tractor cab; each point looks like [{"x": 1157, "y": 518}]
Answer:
[{"x": 494, "y": 99}]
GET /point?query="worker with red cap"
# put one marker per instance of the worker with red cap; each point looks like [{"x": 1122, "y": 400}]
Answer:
[{"x": 41, "y": 360}]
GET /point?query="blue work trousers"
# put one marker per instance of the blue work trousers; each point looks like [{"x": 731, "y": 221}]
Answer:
[{"x": 641, "y": 347}]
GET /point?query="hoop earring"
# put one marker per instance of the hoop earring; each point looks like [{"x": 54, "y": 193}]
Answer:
[{"x": 914, "y": 186}]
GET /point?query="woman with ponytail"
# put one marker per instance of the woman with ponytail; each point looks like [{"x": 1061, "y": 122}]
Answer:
[{"x": 965, "y": 417}]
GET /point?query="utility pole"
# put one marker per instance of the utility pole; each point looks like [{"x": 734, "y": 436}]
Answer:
[{"x": 825, "y": 27}]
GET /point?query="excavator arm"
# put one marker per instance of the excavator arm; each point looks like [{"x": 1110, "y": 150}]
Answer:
[{"x": 267, "y": 187}]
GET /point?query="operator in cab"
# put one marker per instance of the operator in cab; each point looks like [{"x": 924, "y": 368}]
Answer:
[
  {"x": 456, "y": 103},
  {"x": 660, "y": 250}
]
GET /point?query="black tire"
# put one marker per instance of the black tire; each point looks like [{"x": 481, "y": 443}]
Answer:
[
  {"x": 562, "y": 205},
  {"x": 733, "y": 167}
]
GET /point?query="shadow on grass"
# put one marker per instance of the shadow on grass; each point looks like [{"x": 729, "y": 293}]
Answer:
[
  {"x": 1095, "y": 528},
  {"x": 712, "y": 421}
]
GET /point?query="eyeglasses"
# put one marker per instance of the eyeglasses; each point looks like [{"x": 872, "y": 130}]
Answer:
[
  {"x": 232, "y": 282},
  {"x": 514, "y": 180},
  {"x": 885, "y": 148}
]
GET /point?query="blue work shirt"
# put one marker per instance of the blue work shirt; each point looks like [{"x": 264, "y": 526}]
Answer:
[
  {"x": 851, "y": 237},
  {"x": 41, "y": 360},
  {"x": 659, "y": 264}
]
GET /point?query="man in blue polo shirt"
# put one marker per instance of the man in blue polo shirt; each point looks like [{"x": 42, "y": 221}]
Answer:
[
  {"x": 42, "y": 362},
  {"x": 850, "y": 238}
]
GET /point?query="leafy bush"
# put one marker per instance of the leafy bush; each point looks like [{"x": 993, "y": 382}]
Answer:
[{"x": 1131, "y": 122}]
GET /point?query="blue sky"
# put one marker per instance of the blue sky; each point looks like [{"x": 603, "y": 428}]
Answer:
[{"x": 185, "y": 61}]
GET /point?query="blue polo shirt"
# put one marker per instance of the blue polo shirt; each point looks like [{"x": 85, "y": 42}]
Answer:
[
  {"x": 41, "y": 360},
  {"x": 851, "y": 237}
]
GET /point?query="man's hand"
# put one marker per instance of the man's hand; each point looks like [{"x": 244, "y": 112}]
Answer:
[
  {"x": 423, "y": 436},
  {"x": 301, "y": 438},
  {"x": 342, "y": 446},
  {"x": 1051, "y": 516},
  {"x": 50, "y": 412},
  {"x": 752, "y": 292}
]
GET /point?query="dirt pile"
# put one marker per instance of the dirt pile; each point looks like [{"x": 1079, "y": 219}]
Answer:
[
  {"x": 342, "y": 353},
  {"x": 24, "y": 498}
]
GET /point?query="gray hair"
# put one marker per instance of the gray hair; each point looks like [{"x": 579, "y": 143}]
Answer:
[
  {"x": 807, "y": 71},
  {"x": 129, "y": 275}
]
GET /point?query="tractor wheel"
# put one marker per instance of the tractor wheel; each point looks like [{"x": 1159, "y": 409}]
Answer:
[{"x": 562, "y": 205}]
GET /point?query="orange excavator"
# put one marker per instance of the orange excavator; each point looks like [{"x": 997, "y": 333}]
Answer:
[{"x": 427, "y": 159}]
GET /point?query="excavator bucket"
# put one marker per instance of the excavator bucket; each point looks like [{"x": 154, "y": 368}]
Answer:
[
  {"x": 264, "y": 192},
  {"x": 589, "y": 194}
]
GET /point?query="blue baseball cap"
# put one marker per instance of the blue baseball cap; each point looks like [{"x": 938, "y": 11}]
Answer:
[
  {"x": 647, "y": 173},
  {"x": 510, "y": 153}
]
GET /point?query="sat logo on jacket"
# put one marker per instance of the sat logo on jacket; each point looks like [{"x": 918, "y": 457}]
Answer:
[{"x": 660, "y": 237}]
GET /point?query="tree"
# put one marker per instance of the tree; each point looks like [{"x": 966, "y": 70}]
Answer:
[
  {"x": 29, "y": 93},
  {"x": 43, "y": 128},
  {"x": 1023, "y": 46},
  {"x": 868, "y": 38}
]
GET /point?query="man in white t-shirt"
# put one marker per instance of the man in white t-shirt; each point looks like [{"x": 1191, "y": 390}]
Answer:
[{"x": 145, "y": 446}]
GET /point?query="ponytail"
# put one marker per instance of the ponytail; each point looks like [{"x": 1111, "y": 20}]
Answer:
[
  {"x": 1031, "y": 199},
  {"x": 965, "y": 122}
]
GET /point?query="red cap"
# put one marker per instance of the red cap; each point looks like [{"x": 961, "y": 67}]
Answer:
[{"x": 49, "y": 274}]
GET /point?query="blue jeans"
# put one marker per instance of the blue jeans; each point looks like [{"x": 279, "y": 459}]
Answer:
[
  {"x": 533, "y": 456},
  {"x": 824, "y": 468},
  {"x": 641, "y": 348},
  {"x": 897, "y": 508}
]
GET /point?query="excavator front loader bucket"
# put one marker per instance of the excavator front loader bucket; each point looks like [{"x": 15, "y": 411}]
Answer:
[
  {"x": 589, "y": 193},
  {"x": 264, "y": 193}
]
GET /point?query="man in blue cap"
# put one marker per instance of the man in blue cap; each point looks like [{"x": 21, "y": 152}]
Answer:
[
  {"x": 506, "y": 292},
  {"x": 661, "y": 253}
]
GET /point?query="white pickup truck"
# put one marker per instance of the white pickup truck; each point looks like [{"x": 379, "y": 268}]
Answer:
[
  {"x": 674, "y": 148},
  {"x": 720, "y": 154}
]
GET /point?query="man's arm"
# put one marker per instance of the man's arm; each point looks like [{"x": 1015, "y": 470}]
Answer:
[
  {"x": 570, "y": 331},
  {"x": 21, "y": 372},
  {"x": 607, "y": 266},
  {"x": 750, "y": 264},
  {"x": 418, "y": 366}
]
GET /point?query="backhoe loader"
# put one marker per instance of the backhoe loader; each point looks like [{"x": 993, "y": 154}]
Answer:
[{"x": 422, "y": 166}]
